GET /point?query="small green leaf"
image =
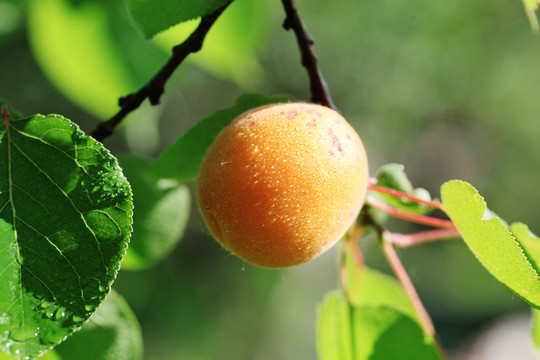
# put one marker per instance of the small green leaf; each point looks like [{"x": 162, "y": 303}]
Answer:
[
  {"x": 181, "y": 160},
  {"x": 392, "y": 176},
  {"x": 161, "y": 217},
  {"x": 65, "y": 222},
  {"x": 334, "y": 328},
  {"x": 369, "y": 332},
  {"x": 490, "y": 240},
  {"x": 112, "y": 333},
  {"x": 154, "y": 16},
  {"x": 529, "y": 243},
  {"x": 535, "y": 331},
  {"x": 367, "y": 286},
  {"x": 530, "y": 7}
]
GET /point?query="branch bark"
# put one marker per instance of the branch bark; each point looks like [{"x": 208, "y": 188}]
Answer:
[
  {"x": 319, "y": 90},
  {"x": 155, "y": 87}
]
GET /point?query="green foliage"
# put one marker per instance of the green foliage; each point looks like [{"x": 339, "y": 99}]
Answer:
[
  {"x": 65, "y": 222},
  {"x": 112, "y": 333},
  {"x": 181, "y": 160},
  {"x": 161, "y": 217},
  {"x": 535, "y": 331},
  {"x": 56, "y": 31},
  {"x": 369, "y": 287},
  {"x": 369, "y": 332},
  {"x": 154, "y": 16},
  {"x": 232, "y": 46},
  {"x": 392, "y": 176},
  {"x": 490, "y": 240}
]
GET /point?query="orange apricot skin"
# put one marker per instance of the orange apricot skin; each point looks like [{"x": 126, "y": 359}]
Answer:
[{"x": 282, "y": 183}]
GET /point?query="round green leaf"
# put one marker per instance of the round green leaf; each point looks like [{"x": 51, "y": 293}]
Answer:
[
  {"x": 65, "y": 222},
  {"x": 112, "y": 333},
  {"x": 162, "y": 214},
  {"x": 75, "y": 49},
  {"x": 365, "y": 332},
  {"x": 490, "y": 240}
]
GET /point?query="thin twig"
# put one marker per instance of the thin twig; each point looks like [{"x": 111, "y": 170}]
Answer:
[
  {"x": 318, "y": 87},
  {"x": 155, "y": 87}
]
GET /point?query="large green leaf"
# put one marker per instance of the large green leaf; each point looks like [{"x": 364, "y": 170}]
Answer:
[
  {"x": 231, "y": 48},
  {"x": 181, "y": 160},
  {"x": 65, "y": 222},
  {"x": 112, "y": 333},
  {"x": 162, "y": 213},
  {"x": 74, "y": 47},
  {"x": 154, "y": 16},
  {"x": 490, "y": 240},
  {"x": 369, "y": 332},
  {"x": 367, "y": 286}
]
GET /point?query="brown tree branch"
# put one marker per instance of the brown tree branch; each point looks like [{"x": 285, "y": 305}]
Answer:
[
  {"x": 318, "y": 87},
  {"x": 155, "y": 87}
]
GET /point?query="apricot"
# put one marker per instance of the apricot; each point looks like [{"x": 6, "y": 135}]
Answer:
[{"x": 282, "y": 183}]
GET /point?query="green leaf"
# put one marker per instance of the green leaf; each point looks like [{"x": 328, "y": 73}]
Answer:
[
  {"x": 161, "y": 217},
  {"x": 369, "y": 332},
  {"x": 65, "y": 222},
  {"x": 530, "y": 7},
  {"x": 112, "y": 333},
  {"x": 154, "y": 16},
  {"x": 334, "y": 333},
  {"x": 392, "y": 176},
  {"x": 528, "y": 241},
  {"x": 490, "y": 240},
  {"x": 93, "y": 75},
  {"x": 367, "y": 286},
  {"x": 535, "y": 331},
  {"x": 231, "y": 48},
  {"x": 181, "y": 160}
]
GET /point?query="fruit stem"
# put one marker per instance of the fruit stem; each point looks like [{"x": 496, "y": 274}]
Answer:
[
  {"x": 403, "y": 195},
  {"x": 417, "y": 218},
  {"x": 406, "y": 240}
]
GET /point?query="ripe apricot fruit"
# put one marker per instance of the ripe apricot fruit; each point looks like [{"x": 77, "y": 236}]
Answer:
[{"x": 282, "y": 183}]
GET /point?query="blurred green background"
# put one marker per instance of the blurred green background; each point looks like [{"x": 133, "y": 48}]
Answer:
[{"x": 450, "y": 89}]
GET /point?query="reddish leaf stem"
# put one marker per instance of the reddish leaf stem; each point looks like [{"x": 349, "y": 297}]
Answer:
[
  {"x": 5, "y": 114},
  {"x": 155, "y": 87},
  {"x": 403, "y": 277},
  {"x": 402, "y": 195},
  {"x": 406, "y": 240},
  {"x": 420, "y": 219},
  {"x": 319, "y": 90}
]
